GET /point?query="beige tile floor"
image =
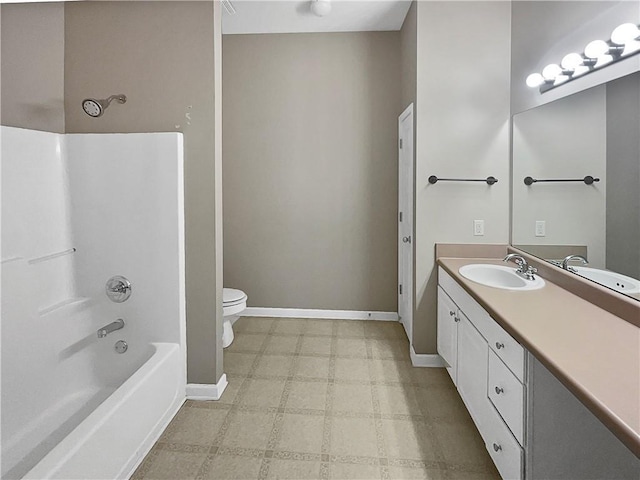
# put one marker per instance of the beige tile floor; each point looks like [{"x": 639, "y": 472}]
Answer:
[{"x": 322, "y": 399}]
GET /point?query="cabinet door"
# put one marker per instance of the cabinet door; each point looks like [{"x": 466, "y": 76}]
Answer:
[
  {"x": 447, "y": 332},
  {"x": 473, "y": 358}
]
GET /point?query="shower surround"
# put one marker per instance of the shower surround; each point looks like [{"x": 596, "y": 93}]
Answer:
[{"x": 77, "y": 210}]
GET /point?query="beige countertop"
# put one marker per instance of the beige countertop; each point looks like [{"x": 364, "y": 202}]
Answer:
[{"x": 594, "y": 353}]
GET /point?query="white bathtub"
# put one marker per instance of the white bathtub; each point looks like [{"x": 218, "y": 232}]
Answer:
[{"x": 113, "y": 439}]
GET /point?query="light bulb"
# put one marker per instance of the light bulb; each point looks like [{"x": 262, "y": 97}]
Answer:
[
  {"x": 551, "y": 71},
  {"x": 321, "y": 7},
  {"x": 625, "y": 33},
  {"x": 572, "y": 61},
  {"x": 535, "y": 80},
  {"x": 596, "y": 49}
]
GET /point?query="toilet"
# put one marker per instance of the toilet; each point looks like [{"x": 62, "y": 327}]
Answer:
[{"x": 233, "y": 302}]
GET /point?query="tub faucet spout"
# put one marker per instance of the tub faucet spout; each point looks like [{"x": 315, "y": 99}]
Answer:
[{"x": 112, "y": 327}]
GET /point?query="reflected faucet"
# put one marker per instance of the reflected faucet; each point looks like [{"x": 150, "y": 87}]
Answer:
[
  {"x": 525, "y": 270},
  {"x": 112, "y": 327},
  {"x": 567, "y": 259}
]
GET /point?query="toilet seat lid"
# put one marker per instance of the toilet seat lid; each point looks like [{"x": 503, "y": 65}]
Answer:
[{"x": 232, "y": 296}]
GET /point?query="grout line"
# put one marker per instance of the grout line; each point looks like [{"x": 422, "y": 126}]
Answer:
[
  {"x": 205, "y": 467},
  {"x": 377, "y": 421},
  {"x": 326, "y": 426}
]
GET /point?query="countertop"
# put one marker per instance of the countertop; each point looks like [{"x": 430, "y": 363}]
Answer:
[{"x": 594, "y": 353}]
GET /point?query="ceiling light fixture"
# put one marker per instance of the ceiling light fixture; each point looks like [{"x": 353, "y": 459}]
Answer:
[
  {"x": 321, "y": 8},
  {"x": 625, "y": 41}
]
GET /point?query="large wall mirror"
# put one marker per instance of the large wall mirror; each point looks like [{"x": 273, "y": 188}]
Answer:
[{"x": 557, "y": 212}]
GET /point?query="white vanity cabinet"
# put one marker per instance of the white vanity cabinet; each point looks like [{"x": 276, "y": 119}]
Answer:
[
  {"x": 488, "y": 368},
  {"x": 448, "y": 319}
]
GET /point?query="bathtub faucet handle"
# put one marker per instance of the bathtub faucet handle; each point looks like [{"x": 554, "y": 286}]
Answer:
[{"x": 118, "y": 289}]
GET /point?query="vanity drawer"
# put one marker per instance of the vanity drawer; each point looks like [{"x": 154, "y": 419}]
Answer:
[
  {"x": 504, "y": 450},
  {"x": 510, "y": 351},
  {"x": 507, "y": 395}
]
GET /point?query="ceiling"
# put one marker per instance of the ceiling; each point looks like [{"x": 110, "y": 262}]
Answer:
[{"x": 285, "y": 16}]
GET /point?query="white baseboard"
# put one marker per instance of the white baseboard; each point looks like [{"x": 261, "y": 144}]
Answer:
[
  {"x": 426, "y": 360},
  {"x": 207, "y": 391},
  {"x": 312, "y": 313}
]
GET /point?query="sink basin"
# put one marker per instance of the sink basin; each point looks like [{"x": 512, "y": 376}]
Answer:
[
  {"x": 499, "y": 276},
  {"x": 616, "y": 281}
]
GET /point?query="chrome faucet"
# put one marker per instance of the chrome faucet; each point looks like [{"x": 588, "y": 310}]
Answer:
[
  {"x": 112, "y": 327},
  {"x": 568, "y": 258},
  {"x": 525, "y": 270}
]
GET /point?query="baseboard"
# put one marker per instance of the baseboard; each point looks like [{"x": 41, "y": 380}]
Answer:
[
  {"x": 426, "y": 360},
  {"x": 322, "y": 314},
  {"x": 206, "y": 391}
]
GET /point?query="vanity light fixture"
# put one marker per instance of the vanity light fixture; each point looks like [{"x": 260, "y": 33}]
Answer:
[{"x": 625, "y": 41}]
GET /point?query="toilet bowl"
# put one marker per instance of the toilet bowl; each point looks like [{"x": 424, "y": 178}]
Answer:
[{"x": 233, "y": 303}]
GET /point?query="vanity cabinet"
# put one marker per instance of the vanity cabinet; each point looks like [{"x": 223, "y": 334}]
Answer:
[
  {"x": 488, "y": 368},
  {"x": 472, "y": 370},
  {"x": 448, "y": 332}
]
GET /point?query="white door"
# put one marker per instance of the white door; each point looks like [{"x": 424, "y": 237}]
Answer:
[{"x": 405, "y": 220}]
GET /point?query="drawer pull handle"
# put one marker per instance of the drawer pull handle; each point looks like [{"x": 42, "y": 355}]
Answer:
[
  {"x": 451, "y": 313},
  {"x": 499, "y": 390},
  {"x": 497, "y": 447},
  {"x": 456, "y": 319},
  {"x": 499, "y": 345}
]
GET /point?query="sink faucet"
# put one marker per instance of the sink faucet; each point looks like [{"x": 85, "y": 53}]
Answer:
[
  {"x": 112, "y": 327},
  {"x": 525, "y": 270},
  {"x": 567, "y": 259}
]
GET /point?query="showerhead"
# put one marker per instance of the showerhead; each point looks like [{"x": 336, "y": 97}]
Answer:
[{"x": 95, "y": 108}]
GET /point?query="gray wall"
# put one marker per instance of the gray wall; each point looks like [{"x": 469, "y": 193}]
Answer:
[
  {"x": 32, "y": 66},
  {"x": 623, "y": 175},
  {"x": 161, "y": 55},
  {"x": 462, "y": 131},
  {"x": 310, "y": 169},
  {"x": 409, "y": 56}
]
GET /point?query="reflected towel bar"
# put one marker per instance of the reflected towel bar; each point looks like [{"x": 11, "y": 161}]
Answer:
[
  {"x": 489, "y": 180},
  {"x": 588, "y": 180}
]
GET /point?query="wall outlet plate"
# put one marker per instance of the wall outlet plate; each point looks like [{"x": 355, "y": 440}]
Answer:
[
  {"x": 541, "y": 228},
  {"x": 478, "y": 227}
]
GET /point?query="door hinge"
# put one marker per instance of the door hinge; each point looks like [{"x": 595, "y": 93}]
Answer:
[
  {"x": 400, "y": 143},
  {"x": 400, "y": 216},
  {"x": 400, "y": 289}
]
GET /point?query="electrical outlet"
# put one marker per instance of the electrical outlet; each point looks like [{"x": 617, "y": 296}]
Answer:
[
  {"x": 541, "y": 228},
  {"x": 478, "y": 227}
]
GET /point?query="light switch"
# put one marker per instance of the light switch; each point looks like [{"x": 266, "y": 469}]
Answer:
[
  {"x": 478, "y": 227},
  {"x": 541, "y": 228}
]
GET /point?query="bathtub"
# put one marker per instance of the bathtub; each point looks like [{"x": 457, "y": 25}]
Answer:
[{"x": 114, "y": 438}]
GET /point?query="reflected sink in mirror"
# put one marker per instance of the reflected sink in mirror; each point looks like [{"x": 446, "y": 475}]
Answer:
[
  {"x": 616, "y": 281},
  {"x": 499, "y": 276}
]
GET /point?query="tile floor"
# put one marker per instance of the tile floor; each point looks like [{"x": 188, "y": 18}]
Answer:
[{"x": 322, "y": 399}]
